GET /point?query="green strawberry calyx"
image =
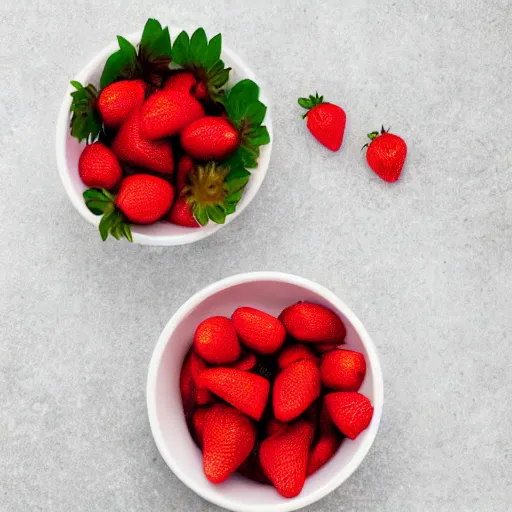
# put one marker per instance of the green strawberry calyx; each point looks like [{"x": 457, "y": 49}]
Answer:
[
  {"x": 373, "y": 135},
  {"x": 247, "y": 113},
  {"x": 85, "y": 121},
  {"x": 113, "y": 222},
  {"x": 309, "y": 103},
  {"x": 149, "y": 61},
  {"x": 214, "y": 190},
  {"x": 202, "y": 57}
]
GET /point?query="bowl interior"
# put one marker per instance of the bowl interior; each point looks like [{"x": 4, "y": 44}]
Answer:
[
  {"x": 161, "y": 233},
  {"x": 170, "y": 430}
]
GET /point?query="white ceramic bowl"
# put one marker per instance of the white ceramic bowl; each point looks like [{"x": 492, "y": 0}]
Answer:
[
  {"x": 271, "y": 292},
  {"x": 160, "y": 233}
]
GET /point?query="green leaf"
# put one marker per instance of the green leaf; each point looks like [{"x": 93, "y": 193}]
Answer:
[
  {"x": 237, "y": 179},
  {"x": 180, "y": 49},
  {"x": 249, "y": 156},
  {"x": 245, "y": 91},
  {"x": 216, "y": 213},
  {"x": 201, "y": 215},
  {"x": 230, "y": 208},
  {"x": 212, "y": 54},
  {"x": 151, "y": 32},
  {"x": 305, "y": 103},
  {"x": 127, "y": 48},
  {"x": 119, "y": 65},
  {"x": 85, "y": 120},
  {"x": 94, "y": 193},
  {"x": 255, "y": 112},
  {"x": 198, "y": 47},
  {"x": 259, "y": 136},
  {"x": 234, "y": 197}
]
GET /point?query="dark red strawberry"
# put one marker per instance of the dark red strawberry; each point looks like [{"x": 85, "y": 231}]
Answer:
[
  {"x": 144, "y": 198},
  {"x": 228, "y": 439},
  {"x": 284, "y": 458},
  {"x": 182, "y": 81},
  {"x": 323, "y": 451},
  {"x": 201, "y": 91},
  {"x": 351, "y": 412},
  {"x": 295, "y": 353},
  {"x": 181, "y": 214},
  {"x": 325, "y": 121},
  {"x": 386, "y": 155},
  {"x": 295, "y": 389},
  {"x": 258, "y": 330},
  {"x": 246, "y": 362},
  {"x": 167, "y": 113},
  {"x": 210, "y": 138},
  {"x": 343, "y": 370},
  {"x": 131, "y": 149},
  {"x": 251, "y": 467},
  {"x": 325, "y": 347},
  {"x": 187, "y": 387},
  {"x": 215, "y": 340},
  {"x": 198, "y": 366},
  {"x": 98, "y": 167},
  {"x": 198, "y": 420},
  {"x": 313, "y": 323},
  {"x": 118, "y": 100},
  {"x": 185, "y": 166},
  {"x": 243, "y": 390},
  {"x": 275, "y": 427}
]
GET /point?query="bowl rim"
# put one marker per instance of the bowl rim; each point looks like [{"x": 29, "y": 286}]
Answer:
[
  {"x": 190, "y": 235},
  {"x": 378, "y": 389}
]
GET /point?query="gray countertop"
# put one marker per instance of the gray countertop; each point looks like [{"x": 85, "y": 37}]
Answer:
[{"x": 425, "y": 263}]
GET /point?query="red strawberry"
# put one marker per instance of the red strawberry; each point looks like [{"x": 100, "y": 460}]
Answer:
[
  {"x": 351, "y": 412},
  {"x": 328, "y": 442},
  {"x": 243, "y": 390},
  {"x": 258, "y": 331},
  {"x": 185, "y": 165},
  {"x": 131, "y": 149},
  {"x": 228, "y": 439},
  {"x": 323, "y": 451},
  {"x": 295, "y": 389},
  {"x": 386, "y": 155},
  {"x": 325, "y": 347},
  {"x": 275, "y": 427},
  {"x": 198, "y": 366},
  {"x": 98, "y": 166},
  {"x": 246, "y": 362},
  {"x": 118, "y": 100},
  {"x": 166, "y": 113},
  {"x": 198, "y": 420},
  {"x": 144, "y": 198},
  {"x": 343, "y": 370},
  {"x": 313, "y": 323},
  {"x": 182, "y": 81},
  {"x": 201, "y": 91},
  {"x": 295, "y": 353},
  {"x": 215, "y": 340},
  {"x": 284, "y": 458},
  {"x": 210, "y": 138},
  {"x": 187, "y": 387},
  {"x": 326, "y": 121},
  {"x": 181, "y": 214}
]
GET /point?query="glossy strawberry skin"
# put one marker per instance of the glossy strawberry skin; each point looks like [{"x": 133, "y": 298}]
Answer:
[
  {"x": 326, "y": 122},
  {"x": 118, "y": 100},
  {"x": 185, "y": 166},
  {"x": 386, "y": 156},
  {"x": 198, "y": 366},
  {"x": 198, "y": 420},
  {"x": 131, "y": 149},
  {"x": 343, "y": 370},
  {"x": 247, "y": 362},
  {"x": 295, "y": 389},
  {"x": 167, "y": 113},
  {"x": 351, "y": 412},
  {"x": 144, "y": 198},
  {"x": 210, "y": 138},
  {"x": 245, "y": 391},
  {"x": 98, "y": 167},
  {"x": 323, "y": 451},
  {"x": 215, "y": 340},
  {"x": 284, "y": 458},
  {"x": 313, "y": 323},
  {"x": 182, "y": 81},
  {"x": 181, "y": 214},
  {"x": 228, "y": 439},
  {"x": 295, "y": 353},
  {"x": 258, "y": 330}
]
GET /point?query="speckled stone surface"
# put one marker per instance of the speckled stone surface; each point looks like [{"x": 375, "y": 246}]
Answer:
[{"x": 425, "y": 263}]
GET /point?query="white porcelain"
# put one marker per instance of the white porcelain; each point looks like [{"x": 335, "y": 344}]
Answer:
[
  {"x": 161, "y": 233},
  {"x": 271, "y": 292}
]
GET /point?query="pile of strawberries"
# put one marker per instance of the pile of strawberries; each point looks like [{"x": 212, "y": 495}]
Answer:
[
  {"x": 166, "y": 143},
  {"x": 272, "y": 398}
]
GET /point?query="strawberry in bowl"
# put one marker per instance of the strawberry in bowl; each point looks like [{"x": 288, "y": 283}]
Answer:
[{"x": 184, "y": 116}]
